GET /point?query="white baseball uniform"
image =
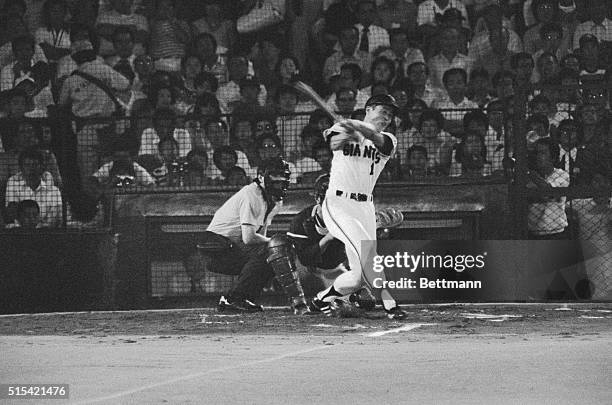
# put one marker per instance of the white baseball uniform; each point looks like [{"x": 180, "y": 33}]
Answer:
[{"x": 348, "y": 208}]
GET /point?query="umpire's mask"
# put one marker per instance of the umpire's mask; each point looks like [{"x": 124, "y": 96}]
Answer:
[{"x": 274, "y": 177}]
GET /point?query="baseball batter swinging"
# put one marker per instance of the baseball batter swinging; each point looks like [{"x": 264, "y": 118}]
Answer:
[{"x": 360, "y": 151}]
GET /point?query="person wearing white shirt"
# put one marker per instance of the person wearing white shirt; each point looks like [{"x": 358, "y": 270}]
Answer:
[
  {"x": 349, "y": 53},
  {"x": 163, "y": 124},
  {"x": 30, "y": 184},
  {"x": 229, "y": 93},
  {"x": 449, "y": 56},
  {"x": 371, "y": 37},
  {"x": 401, "y": 53},
  {"x": 599, "y": 25},
  {"x": 429, "y": 8},
  {"x": 23, "y": 49},
  {"x": 547, "y": 218},
  {"x": 418, "y": 75},
  {"x": 54, "y": 36},
  {"x": 455, "y": 83}
]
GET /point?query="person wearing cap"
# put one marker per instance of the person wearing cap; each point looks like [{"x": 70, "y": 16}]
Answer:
[
  {"x": 598, "y": 25},
  {"x": 87, "y": 99},
  {"x": 348, "y": 209}
]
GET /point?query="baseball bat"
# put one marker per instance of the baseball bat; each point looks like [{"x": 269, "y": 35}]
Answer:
[{"x": 311, "y": 94}]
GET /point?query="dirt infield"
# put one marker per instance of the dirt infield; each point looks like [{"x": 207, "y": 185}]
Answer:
[
  {"x": 569, "y": 319},
  {"x": 447, "y": 354}
]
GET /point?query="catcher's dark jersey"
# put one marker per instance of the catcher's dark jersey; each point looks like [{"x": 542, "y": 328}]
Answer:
[{"x": 308, "y": 250}]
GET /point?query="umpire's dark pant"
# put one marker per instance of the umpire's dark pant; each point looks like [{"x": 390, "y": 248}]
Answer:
[{"x": 248, "y": 262}]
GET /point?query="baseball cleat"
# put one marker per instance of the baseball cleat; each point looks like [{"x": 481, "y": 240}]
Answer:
[
  {"x": 316, "y": 305},
  {"x": 301, "y": 309},
  {"x": 227, "y": 303},
  {"x": 396, "y": 313},
  {"x": 252, "y": 306}
]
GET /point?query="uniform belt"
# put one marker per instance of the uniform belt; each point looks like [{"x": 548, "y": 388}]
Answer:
[{"x": 354, "y": 196}]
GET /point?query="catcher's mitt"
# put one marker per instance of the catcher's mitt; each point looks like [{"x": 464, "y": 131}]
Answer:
[{"x": 389, "y": 218}]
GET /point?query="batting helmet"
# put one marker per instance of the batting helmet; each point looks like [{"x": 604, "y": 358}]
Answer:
[
  {"x": 320, "y": 187},
  {"x": 383, "y": 99}
]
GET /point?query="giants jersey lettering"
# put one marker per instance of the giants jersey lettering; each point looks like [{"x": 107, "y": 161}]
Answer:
[{"x": 355, "y": 168}]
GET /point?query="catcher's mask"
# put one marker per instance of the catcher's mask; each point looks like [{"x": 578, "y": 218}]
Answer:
[
  {"x": 320, "y": 188},
  {"x": 274, "y": 177}
]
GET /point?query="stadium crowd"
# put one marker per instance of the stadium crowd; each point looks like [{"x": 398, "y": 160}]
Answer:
[{"x": 99, "y": 93}]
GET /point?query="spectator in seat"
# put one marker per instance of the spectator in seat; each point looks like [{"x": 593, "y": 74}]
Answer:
[
  {"x": 401, "y": 52},
  {"x": 416, "y": 162},
  {"x": 88, "y": 100},
  {"x": 599, "y": 25},
  {"x": 350, "y": 76},
  {"x": 205, "y": 47},
  {"x": 568, "y": 139},
  {"x": 124, "y": 58},
  {"x": 23, "y": 50},
  {"x": 28, "y": 216},
  {"x": 455, "y": 83},
  {"x": 29, "y": 184},
  {"x": 121, "y": 15},
  {"x": 230, "y": 91},
  {"x": 431, "y": 11},
  {"x": 348, "y": 53},
  {"x": 213, "y": 23},
  {"x": 305, "y": 161},
  {"x": 371, "y": 36},
  {"x": 397, "y": 14},
  {"x": 546, "y": 217},
  {"x": 164, "y": 127},
  {"x": 289, "y": 123},
  {"x": 479, "y": 87},
  {"x": 547, "y": 66},
  {"x": 169, "y": 37},
  {"x": 197, "y": 159},
  {"x": 242, "y": 138},
  {"x": 54, "y": 36},
  {"x": 407, "y": 131},
  {"x": 418, "y": 75},
  {"x": 493, "y": 49},
  {"x": 346, "y": 99},
  {"x": 224, "y": 159},
  {"x": 122, "y": 170},
  {"x": 217, "y": 135},
  {"x": 438, "y": 142},
  {"x": 545, "y": 12},
  {"x": 322, "y": 156},
  {"x": 471, "y": 154},
  {"x": 523, "y": 66},
  {"x": 248, "y": 104},
  {"x": 448, "y": 57},
  {"x": 13, "y": 27}
]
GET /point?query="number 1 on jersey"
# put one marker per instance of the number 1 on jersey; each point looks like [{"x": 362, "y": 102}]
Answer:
[{"x": 372, "y": 169}]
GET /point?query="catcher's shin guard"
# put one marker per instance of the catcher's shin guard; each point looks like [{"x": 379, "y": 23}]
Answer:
[{"x": 281, "y": 257}]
